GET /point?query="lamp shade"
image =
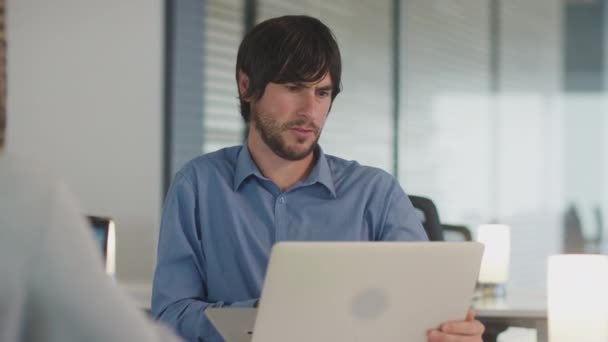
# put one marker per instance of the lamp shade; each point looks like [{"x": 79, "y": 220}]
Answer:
[
  {"x": 577, "y": 298},
  {"x": 495, "y": 262}
]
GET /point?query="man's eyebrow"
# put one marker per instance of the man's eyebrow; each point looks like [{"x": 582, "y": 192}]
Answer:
[
  {"x": 303, "y": 85},
  {"x": 326, "y": 88}
]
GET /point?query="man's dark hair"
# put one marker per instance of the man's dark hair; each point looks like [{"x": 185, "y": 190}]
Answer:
[{"x": 287, "y": 49}]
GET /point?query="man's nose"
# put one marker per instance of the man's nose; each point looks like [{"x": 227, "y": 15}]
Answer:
[{"x": 308, "y": 104}]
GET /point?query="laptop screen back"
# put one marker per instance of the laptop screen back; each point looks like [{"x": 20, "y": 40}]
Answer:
[{"x": 365, "y": 291}]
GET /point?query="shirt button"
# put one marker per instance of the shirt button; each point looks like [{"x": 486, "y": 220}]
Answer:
[{"x": 282, "y": 200}]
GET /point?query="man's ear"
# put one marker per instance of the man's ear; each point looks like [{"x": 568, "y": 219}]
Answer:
[{"x": 243, "y": 84}]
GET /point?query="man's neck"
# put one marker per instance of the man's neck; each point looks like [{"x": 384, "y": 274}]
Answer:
[{"x": 284, "y": 173}]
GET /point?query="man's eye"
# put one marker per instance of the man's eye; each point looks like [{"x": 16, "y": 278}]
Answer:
[{"x": 324, "y": 93}]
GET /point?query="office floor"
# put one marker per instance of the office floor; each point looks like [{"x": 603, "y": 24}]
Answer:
[{"x": 518, "y": 335}]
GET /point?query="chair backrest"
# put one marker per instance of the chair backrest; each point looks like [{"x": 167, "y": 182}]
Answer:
[
  {"x": 430, "y": 217},
  {"x": 598, "y": 239},
  {"x": 105, "y": 235},
  {"x": 460, "y": 232},
  {"x": 574, "y": 241},
  {"x": 435, "y": 230}
]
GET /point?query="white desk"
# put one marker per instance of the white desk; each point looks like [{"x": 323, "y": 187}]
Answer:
[{"x": 517, "y": 308}]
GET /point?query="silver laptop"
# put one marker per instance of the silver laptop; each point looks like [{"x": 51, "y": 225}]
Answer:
[{"x": 356, "y": 291}]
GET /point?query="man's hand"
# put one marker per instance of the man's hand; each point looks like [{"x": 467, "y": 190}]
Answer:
[{"x": 469, "y": 330}]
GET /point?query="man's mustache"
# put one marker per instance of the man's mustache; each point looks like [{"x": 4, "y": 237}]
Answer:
[{"x": 302, "y": 124}]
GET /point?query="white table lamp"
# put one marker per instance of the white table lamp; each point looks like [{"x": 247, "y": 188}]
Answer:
[
  {"x": 577, "y": 298},
  {"x": 494, "y": 271},
  {"x": 495, "y": 262}
]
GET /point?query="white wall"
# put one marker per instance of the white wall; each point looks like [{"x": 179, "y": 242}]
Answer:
[{"x": 85, "y": 97}]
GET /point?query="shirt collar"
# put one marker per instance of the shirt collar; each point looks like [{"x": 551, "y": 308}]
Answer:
[
  {"x": 245, "y": 167},
  {"x": 321, "y": 173}
]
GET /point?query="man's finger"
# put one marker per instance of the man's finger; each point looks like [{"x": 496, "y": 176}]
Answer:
[
  {"x": 470, "y": 315},
  {"x": 438, "y": 336},
  {"x": 463, "y": 328}
]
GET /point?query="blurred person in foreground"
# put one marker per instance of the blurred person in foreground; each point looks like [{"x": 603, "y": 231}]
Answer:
[{"x": 52, "y": 283}]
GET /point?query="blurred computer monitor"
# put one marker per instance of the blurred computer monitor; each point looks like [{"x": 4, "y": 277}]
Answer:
[{"x": 105, "y": 237}]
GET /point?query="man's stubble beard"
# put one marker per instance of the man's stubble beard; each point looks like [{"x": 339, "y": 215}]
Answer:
[{"x": 271, "y": 135}]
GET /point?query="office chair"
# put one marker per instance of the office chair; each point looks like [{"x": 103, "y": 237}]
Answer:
[
  {"x": 429, "y": 217},
  {"x": 105, "y": 236},
  {"x": 574, "y": 241},
  {"x": 598, "y": 239},
  {"x": 462, "y": 232},
  {"x": 432, "y": 224}
]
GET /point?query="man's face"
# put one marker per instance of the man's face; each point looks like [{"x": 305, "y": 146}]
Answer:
[{"x": 289, "y": 117}]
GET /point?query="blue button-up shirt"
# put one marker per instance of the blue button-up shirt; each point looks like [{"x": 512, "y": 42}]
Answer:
[{"x": 222, "y": 216}]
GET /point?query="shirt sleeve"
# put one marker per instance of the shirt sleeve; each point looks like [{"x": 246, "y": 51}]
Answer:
[
  {"x": 71, "y": 297},
  {"x": 179, "y": 295},
  {"x": 401, "y": 223}
]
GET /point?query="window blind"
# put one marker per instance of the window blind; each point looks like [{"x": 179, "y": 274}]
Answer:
[{"x": 222, "y": 123}]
